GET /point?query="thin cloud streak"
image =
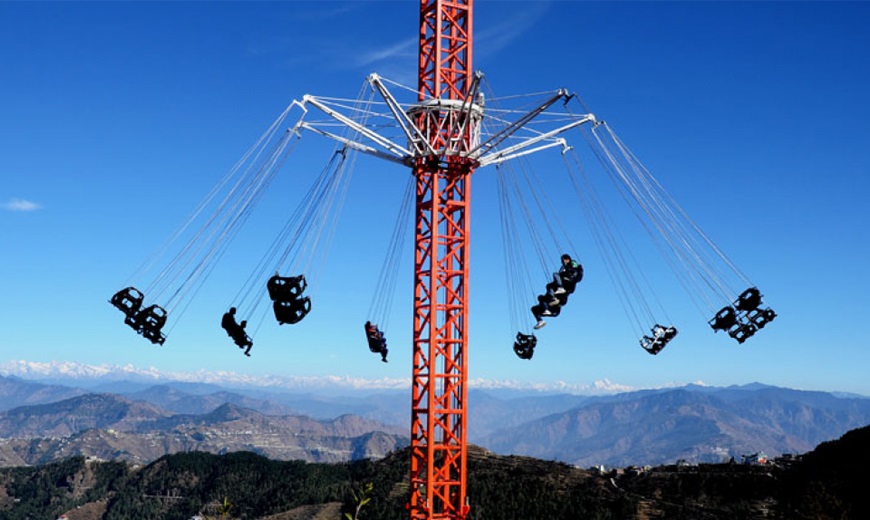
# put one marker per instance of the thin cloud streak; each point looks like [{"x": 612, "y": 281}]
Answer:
[
  {"x": 403, "y": 49},
  {"x": 487, "y": 42},
  {"x": 496, "y": 37},
  {"x": 20, "y": 205}
]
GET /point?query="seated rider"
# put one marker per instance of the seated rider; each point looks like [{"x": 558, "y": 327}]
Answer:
[
  {"x": 566, "y": 280},
  {"x": 236, "y": 331},
  {"x": 228, "y": 321},
  {"x": 651, "y": 345},
  {"x": 377, "y": 341},
  {"x": 548, "y": 306},
  {"x": 242, "y": 339},
  {"x": 661, "y": 336},
  {"x": 662, "y": 332}
]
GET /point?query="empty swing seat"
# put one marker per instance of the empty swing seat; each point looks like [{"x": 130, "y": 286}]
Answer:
[
  {"x": 749, "y": 300},
  {"x": 724, "y": 319},
  {"x": 148, "y": 323},
  {"x": 154, "y": 336},
  {"x": 286, "y": 288},
  {"x": 761, "y": 317},
  {"x": 291, "y": 311},
  {"x": 743, "y": 331},
  {"x": 524, "y": 346},
  {"x": 128, "y": 300}
]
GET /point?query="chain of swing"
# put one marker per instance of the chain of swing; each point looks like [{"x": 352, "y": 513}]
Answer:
[
  {"x": 298, "y": 251},
  {"x": 704, "y": 271},
  {"x": 528, "y": 220}
]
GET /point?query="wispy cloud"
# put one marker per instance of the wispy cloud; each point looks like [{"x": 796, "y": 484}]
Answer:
[
  {"x": 487, "y": 41},
  {"x": 402, "y": 49},
  {"x": 20, "y": 205},
  {"x": 495, "y": 37}
]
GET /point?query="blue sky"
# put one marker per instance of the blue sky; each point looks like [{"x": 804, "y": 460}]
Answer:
[{"x": 117, "y": 117}]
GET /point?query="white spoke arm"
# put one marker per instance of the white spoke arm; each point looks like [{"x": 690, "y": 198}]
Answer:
[
  {"x": 513, "y": 151},
  {"x": 353, "y": 125},
  {"x": 496, "y": 139},
  {"x": 486, "y": 161},
  {"x": 354, "y": 144},
  {"x": 411, "y": 131}
]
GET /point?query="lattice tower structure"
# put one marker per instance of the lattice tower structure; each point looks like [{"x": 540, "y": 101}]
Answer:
[{"x": 449, "y": 121}]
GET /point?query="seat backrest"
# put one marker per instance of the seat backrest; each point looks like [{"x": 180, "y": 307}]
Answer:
[
  {"x": 749, "y": 300},
  {"x": 286, "y": 288}
]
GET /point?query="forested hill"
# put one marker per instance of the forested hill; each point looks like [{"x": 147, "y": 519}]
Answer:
[{"x": 827, "y": 483}]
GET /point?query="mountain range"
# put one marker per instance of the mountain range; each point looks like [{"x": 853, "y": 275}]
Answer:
[
  {"x": 698, "y": 424},
  {"x": 109, "y": 426},
  {"x": 136, "y": 421}
]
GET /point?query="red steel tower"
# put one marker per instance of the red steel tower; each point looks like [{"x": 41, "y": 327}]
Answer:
[
  {"x": 449, "y": 120},
  {"x": 443, "y": 132}
]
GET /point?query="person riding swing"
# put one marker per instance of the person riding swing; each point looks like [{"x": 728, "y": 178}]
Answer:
[
  {"x": 237, "y": 331},
  {"x": 377, "y": 341},
  {"x": 564, "y": 282}
]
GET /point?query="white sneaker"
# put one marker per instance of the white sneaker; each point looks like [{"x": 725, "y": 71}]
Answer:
[
  {"x": 554, "y": 302},
  {"x": 560, "y": 290},
  {"x": 540, "y": 324}
]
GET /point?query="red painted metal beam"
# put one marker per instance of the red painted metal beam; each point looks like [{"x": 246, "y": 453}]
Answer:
[{"x": 440, "y": 378}]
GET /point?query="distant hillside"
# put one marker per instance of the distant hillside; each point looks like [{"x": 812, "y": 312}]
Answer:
[
  {"x": 112, "y": 427},
  {"x": 63, "y": 418},
  {"x": 15, "y": 392},
  {"x": 657, "y": 426},
  {"x": 178, "y": 401},
  {"x": 826, "y": 483},
  {"x": 831, "y": 481},
  {"x": 697, "y": 424}
]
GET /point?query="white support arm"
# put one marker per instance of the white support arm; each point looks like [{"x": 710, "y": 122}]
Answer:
[
  {"x": 469, "y": 103},
  {"x": 486, "y": 161},
  {"x": 411, "y": 131},
  {"x": 513, "y": 151},
  {"x": 496, "y": 139},
  {"x": 299, "y": 122},
  {"x": 354, "y": 144},
  {"x": 350, "y": 123}
]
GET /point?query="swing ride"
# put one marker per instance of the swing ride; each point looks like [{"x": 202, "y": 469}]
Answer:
[{"x": 444, "y": 129}]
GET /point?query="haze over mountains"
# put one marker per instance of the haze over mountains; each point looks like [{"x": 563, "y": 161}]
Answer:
[
  {"x": 139, "y": 421},
  {"x": 79, "y": 374}
]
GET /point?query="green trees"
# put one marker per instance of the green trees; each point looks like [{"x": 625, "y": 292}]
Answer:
[
  {"x": 361, "y": 497},
  {"x": 830, "y": 483}
]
